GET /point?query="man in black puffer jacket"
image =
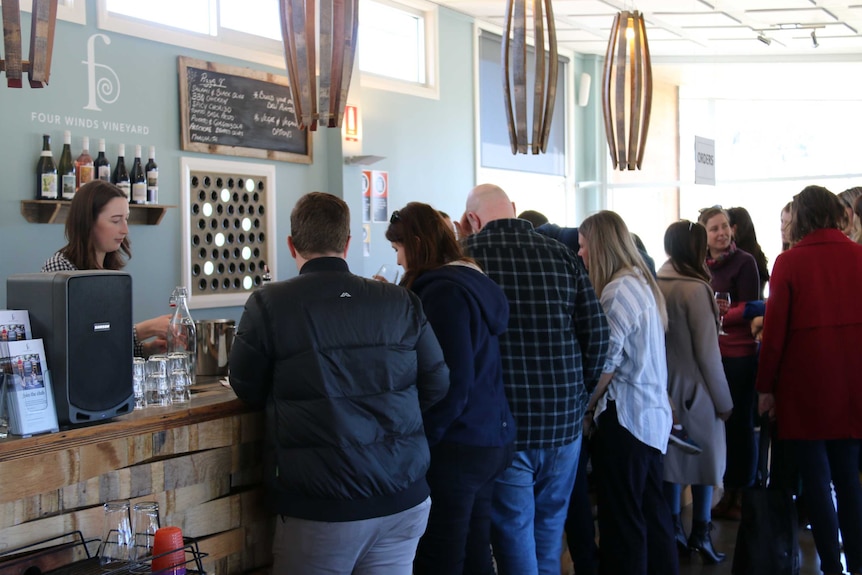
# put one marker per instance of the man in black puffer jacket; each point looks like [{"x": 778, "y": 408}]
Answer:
[{"x": 344, "y": 367}]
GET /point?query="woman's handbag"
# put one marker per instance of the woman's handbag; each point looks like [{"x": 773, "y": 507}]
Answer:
[{"x": 767, "y": 542}]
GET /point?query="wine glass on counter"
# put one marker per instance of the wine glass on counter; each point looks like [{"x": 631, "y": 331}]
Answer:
[{"x": 722, "y": 299}]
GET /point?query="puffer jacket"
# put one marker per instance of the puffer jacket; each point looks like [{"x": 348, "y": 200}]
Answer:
[{"x": 342, "y": 365}]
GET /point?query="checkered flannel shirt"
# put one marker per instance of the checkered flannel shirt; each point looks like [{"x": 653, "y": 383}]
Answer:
[{"x": 557, "y": 339}]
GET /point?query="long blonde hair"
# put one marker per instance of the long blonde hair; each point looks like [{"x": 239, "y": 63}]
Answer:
[{"x": 612, "y": 251}]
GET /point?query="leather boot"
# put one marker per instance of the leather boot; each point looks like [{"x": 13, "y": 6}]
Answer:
[
  {"x": 701, "y": 541},
  {"x": 679, "y": 535}
]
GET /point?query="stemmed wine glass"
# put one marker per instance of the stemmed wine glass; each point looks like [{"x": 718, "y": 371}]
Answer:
[{"x": 722, "y": 299}]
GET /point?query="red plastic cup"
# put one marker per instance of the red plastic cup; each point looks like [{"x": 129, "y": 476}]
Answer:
[{"x": 169, "y": 555}]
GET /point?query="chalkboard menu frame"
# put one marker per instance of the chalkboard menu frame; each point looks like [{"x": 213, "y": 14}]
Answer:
[{"x": 251, "y": 109}]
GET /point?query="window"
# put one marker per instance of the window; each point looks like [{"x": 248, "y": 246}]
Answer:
[
  {"x": 245, "y": 29},
  {"x": 397, "y": 46},
  {"x": 69, "y": 10}
]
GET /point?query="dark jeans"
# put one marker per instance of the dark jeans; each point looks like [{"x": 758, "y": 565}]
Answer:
[
  {"x": 835, "y": 461},
  {"x": 741, "y": 444},
  {"x": 580, "y": 527},
  {"x": 634, "y": 518},
  {"x": 458, "y": 537}
]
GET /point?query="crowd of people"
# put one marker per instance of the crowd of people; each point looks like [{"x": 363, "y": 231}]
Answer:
[{"x": 445, "y": 424}]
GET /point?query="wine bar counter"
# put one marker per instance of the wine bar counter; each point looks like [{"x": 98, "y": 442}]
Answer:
[{"x": 201, "y": 461}]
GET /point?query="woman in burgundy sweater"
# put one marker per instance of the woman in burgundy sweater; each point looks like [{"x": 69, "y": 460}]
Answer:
[{"x": 735, "y": 271}]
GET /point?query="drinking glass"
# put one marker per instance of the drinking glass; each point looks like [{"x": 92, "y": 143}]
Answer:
[
  {"x": 722, "y": 299},
  {"x": 145, "y": 523},
  {"x": 157, "y": 376},
  {"x": 139, "y": 378},
  {"x": 116, "y": 546},
  {"x": 178, "y": 377}
]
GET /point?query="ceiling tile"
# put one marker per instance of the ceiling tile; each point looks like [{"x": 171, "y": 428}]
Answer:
[
  {"x": 801, "y": 15},
  {"x": 721, "y": 32},
  {"x": 689, "y": 19}
]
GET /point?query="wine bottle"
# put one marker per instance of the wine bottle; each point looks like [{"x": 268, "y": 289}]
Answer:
[
  {"x": 138, "y": 180},
  {"x": 66, "y": 168},
  {"x": 101, "y": 165},
  {"x": 46, "y": 172},
  {"x": 120, "y": 178},
  {"x": 152, "y": 171},
  {"x": 84, "y": 166}
]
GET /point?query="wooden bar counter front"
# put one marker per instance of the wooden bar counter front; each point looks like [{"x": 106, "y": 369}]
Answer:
[{"x": 202, "y": 463}]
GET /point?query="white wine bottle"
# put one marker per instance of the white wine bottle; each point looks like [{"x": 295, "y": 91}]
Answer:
[
  {"x": 152, "y": 172},
  {"x": 46, "y": 172},
  {"x": 120, "y": 178},
  {"x": 101, "y": 165},
  {"x": 66, "y": 168},
  {"x": 138, "y": 179}
]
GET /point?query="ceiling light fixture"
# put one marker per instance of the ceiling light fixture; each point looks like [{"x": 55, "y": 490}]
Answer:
[
  {"x": 765, "y": 39},
  {"x": 544, "y": 88},
  {"x": 627, "y": 79},
  {"x": 814, "y": 38}
]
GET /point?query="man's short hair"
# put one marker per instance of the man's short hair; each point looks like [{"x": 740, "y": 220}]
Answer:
[{"x": 320, "y": 224}]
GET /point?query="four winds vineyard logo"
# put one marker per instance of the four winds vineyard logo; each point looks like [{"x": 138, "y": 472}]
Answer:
[{"x": 104, "y": 87}]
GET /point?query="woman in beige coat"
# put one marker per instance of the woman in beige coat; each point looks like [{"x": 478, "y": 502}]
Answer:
[{"x": 696, "y": 382}]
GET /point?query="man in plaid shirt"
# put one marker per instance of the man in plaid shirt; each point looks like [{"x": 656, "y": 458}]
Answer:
[{"x": 552, "y": 351}]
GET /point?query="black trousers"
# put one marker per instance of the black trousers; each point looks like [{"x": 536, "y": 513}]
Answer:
[
  {"x": 580, "y": 527},
  {"x": 635, "y": 522},
  {"x": 741, "y": 373},
  {"x": 458, "y": 537}
]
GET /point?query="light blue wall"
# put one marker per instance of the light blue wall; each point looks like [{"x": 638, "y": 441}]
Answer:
[{"x": 428, "y": 145}]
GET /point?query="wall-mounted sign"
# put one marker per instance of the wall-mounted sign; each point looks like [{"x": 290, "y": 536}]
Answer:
[
  {"x": 704, "y": 161},
  {"x": 380, "y": 196}
]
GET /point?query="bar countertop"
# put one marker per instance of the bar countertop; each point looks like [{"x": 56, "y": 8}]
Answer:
[{"x": 210, "y": 400}]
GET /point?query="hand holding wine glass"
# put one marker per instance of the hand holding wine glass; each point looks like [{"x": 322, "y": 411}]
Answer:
[{"x": 722, "y": 299}]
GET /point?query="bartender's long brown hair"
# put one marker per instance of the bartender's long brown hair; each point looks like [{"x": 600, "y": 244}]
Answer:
[
  {"x": 87, "y": 204},
  {"x": 428, "y": 241}
]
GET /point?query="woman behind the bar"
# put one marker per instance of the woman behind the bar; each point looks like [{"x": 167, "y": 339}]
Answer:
[
  {"x": 809, "y": 369},
  {"x": 471, "y": 431},
  {"x": 97, "y": 230},
  {"x": 734, "y": 271}
]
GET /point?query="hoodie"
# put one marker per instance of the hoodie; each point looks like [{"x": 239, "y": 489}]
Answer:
[{"x": 468, "y": 312}]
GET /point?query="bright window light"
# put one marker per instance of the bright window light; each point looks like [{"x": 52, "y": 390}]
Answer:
[
  {"x": 255, "y": 17},
  {"x": 191, "y": 15},
  {"x": 391, "y": 42}
]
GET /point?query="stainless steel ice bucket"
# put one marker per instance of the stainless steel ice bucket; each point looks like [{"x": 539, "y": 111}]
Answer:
[{"x": 214, "y": 338}]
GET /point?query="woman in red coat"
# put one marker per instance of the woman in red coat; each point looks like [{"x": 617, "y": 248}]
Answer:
[{"x": 809, "y": 369}]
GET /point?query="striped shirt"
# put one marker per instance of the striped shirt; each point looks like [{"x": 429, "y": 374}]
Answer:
[
  {"x": 557, "y": 335},
  {"x": 637, "y": 359}
]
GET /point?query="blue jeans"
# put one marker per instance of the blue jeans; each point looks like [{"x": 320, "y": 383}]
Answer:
[
  {"x": 378, "y": 546},
  {"x": 701, "y": 500},
  {"x": 529, "y": 510}
]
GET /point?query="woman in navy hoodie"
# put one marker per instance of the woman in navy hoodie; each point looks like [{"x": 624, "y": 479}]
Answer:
[{"x": 471, "y": 431}]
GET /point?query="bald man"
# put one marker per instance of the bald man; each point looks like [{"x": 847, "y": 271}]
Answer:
[{"x": 552, "y": 351}]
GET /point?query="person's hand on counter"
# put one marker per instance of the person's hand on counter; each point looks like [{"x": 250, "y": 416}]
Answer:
[{"x": 156, "y": 327}]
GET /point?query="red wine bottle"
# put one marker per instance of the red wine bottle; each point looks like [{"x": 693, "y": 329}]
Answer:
[
  {"x": 66, "y": 168},
  {"x": 120, "y": 177},
  {"x": 101, "y": 165},
  {"x": 46, "y": 172},
  {"x": 84, "y": 164},
  {"x": 152, "y": 172},
  {"x": 138, "y": 179}
]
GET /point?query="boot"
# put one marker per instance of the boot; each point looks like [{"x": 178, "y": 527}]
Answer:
[
  {"x": 701, "y": 541},
  {"x": 679, "y": 536}
]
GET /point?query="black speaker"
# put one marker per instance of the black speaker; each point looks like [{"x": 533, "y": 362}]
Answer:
[{"x": 85, "y": 320}]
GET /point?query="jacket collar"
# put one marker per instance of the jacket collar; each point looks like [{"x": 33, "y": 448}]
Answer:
[
  {"x": 325, "y": 264},
  {"x": 821, "y": 236},
  {"x": 668, "y": 272}
]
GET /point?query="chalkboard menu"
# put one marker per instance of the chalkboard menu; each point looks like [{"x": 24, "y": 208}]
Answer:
[{"x": 239, "y": 112}]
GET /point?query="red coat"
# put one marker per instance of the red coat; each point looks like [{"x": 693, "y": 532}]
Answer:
[{"x": 812, "y": 333}]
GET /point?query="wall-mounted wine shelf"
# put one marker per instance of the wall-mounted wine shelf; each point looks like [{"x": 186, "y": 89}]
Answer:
[{"x": 56, "y": 211}]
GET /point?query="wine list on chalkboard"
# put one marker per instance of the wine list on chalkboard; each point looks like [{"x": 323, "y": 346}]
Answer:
[{"x": 239, "y": 112}]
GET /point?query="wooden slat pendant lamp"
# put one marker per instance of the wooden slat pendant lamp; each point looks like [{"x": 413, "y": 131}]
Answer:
[
  {"x": 339, "y": 21},
  {"x": 627, "y": 90},
  {"x": 514, "y": 55},
  {"x": 42, "y": 24}
]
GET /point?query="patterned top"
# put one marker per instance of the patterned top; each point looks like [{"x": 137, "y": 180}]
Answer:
[
  {"x": 637, "y": 359},
  {"x": 557, "y": 336},
  {"x": 60, "y": 263}
]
